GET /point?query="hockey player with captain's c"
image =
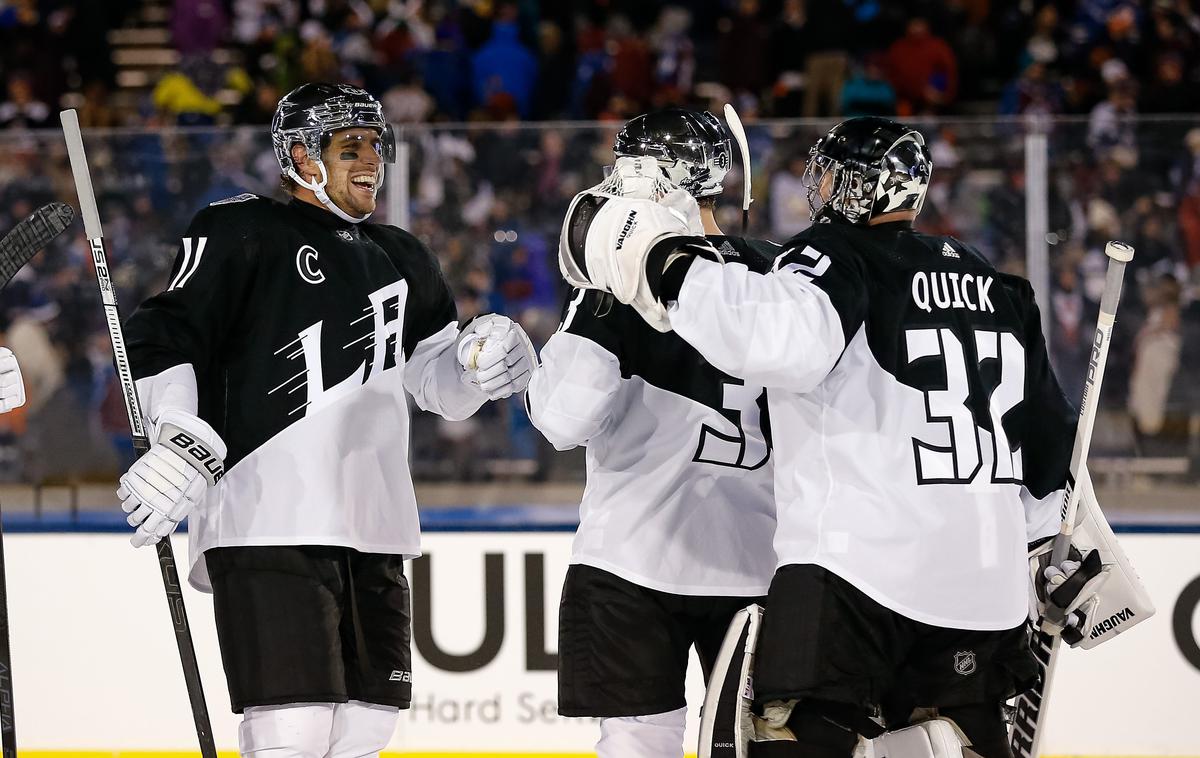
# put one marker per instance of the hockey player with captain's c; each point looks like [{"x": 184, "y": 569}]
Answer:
[
  {"x": 677, "y": 512},
  {"x": 274, "y": 371},
  {"x": 906, "y": 534}
]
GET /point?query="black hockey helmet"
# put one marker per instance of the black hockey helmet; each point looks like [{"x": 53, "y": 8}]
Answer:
[
  {"x": 876, "y": 166},
  {"x": 692, "y": 147},
  {"x": 311, "y": 113}
]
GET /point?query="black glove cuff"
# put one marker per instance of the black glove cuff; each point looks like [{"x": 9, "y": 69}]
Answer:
[{"x": 665, "y": 284}]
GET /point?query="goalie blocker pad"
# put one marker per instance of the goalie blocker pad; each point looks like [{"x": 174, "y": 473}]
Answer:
[
  {"x": 1122, "y": 602},
  {"x": 725, "y": 724}
]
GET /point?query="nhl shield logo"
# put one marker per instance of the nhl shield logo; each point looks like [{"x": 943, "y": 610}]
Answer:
[{"x": 964, "y": 662}]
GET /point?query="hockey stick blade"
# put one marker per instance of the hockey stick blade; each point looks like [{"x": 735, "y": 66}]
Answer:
[
  {"x": 739, "y": 135},
  {"x": 26, "y": 240},
  {"x": 31, "y": 236}
]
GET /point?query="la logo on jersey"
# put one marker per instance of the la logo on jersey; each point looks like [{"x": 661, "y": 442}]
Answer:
[{"x": 381, "y": 342}]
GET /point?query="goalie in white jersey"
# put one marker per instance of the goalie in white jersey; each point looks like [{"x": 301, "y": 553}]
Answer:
[
  {"x": 921, "y": 443},
  {"x": 677, "y": 516}
]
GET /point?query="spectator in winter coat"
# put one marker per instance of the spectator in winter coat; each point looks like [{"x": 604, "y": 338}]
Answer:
[
  {"x": 923, "y": 68},
  {"x": 504, "y": 66}
]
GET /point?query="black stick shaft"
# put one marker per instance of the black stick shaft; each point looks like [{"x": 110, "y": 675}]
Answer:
[
  {"x": 141, "y": 443},
  {"x": 8, "y": 721}
]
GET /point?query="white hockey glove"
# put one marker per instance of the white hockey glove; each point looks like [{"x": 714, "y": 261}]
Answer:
[
  {"x": 163, "y": 486},
  {"x": 622, "y": 243},
  {"x": 496, "y": 356},
  {"x": 12, "y": 389},
  {"x": 1066, "y": 591}
]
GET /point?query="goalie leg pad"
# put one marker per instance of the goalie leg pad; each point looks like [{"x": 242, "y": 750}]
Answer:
[
  {"x": 658, "y": 735},
  {"x": 726, "y": 725},
  {"x": 936, "y": 738}
]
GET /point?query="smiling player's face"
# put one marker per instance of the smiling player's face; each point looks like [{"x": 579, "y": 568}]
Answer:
[{"x": 353, "y": 160}]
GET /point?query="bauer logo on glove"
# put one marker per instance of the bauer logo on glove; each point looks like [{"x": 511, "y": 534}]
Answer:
[{"x": 205, "y": 457}]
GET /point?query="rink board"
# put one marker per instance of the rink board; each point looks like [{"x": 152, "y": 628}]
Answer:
[{"x": 96, "y": 672}]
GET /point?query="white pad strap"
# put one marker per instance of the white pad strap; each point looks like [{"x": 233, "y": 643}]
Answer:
[{"x": 936, "y": 738}]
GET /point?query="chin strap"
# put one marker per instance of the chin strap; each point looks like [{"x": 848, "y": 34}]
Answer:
[{"x": 319, "y": 190}]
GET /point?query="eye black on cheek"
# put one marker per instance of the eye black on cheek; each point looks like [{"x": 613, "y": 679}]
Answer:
[{"x": 348, "y": 156}]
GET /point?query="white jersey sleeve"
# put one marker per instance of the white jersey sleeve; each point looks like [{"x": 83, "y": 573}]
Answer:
[
  {"x": 571, "y": 394},
  {"x": 810, "y": 303},
  {"x": 433, "y": 377}
]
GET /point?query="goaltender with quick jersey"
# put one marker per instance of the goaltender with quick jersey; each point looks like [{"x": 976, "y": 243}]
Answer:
[
  {"x": 282, "y": 352},
  {"x": 677, "y": 515},
  {"x": 921, "y": 443}
]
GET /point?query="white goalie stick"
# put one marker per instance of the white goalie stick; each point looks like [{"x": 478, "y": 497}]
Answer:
[
  {"x": 141, "y": 442},
  {"x": 25, "y": 240},
  {"x": 739, "y": 135},
  {"x": 1030, "y": 717}
]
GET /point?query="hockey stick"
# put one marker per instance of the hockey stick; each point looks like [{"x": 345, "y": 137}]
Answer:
[
  {"x": 25, "y": 240},
  {"x": 1029, "y": 724},
  {"x": 739, "y": 134},
  {"x": 141, "y": 442}
]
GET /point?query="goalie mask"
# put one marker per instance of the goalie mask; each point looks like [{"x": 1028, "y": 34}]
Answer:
[
  {"x": 310, "y": 114},
  {"x": 866, "y": 167},
  {"x": 691, "y": 147}
]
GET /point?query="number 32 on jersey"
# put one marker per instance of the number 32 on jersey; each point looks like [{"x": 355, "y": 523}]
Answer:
[{"x": 960, "y": 462}]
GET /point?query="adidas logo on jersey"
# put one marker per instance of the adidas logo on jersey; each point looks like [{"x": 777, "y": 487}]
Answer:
[
  {"x": 949, "y": 251},
  {"x": 727, "y": 250}
]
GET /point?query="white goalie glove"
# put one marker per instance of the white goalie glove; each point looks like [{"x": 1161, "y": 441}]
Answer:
[
  {"x": 1100, "y": 599},
  {"x": 163, "y": 486},
  {"x": 620, "y": 235},
  {"x": 12, "y": 388},
  {"x": 496, "y": 356}
]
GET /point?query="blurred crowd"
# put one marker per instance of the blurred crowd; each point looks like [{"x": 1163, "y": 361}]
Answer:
[
  {"x": 487, "y": 192},
  {"x": 459, "y": 60}
]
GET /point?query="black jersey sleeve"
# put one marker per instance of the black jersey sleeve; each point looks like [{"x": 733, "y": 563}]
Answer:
[
  {"x": 832, "y": 267},
  {"x": 1047, "y": 425},
  {"x": 190, "y": 321},
  {"x": 570, "y": 395},
  {"x": 595, "y": 316}
]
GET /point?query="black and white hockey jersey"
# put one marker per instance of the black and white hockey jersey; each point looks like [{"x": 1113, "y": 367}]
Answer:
[
  {"x": 678, "y": 495},
  {"x": 303, "y": 332},
  {"x": 920, "y": 436}
]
